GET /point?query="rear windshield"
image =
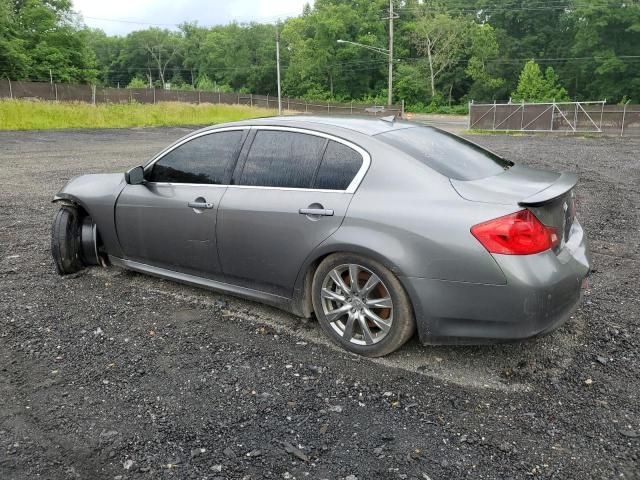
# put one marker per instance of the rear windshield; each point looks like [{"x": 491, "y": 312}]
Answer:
[{"x": 445, "y": 153}]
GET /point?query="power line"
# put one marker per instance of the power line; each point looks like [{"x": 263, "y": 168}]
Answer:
[{"x": 155, "y": 24}]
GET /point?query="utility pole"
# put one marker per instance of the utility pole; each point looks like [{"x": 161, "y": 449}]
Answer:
[
  {"x": 278, "y": 70},
  {"x": 390, "y": 86}
]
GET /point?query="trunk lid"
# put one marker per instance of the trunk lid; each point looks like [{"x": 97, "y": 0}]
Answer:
[{"x": 548, "y": 195}]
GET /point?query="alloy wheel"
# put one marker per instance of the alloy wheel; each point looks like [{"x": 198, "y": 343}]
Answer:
[{"x": 357, "y": 304}]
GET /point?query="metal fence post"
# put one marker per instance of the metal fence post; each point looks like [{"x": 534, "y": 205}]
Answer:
[
  {"x": 402, "y": 111},
  {"x": 93, "y": 94},
  {"x": 522, "y": 117},
  {"x": 469, "y": 114},
  {"x": 55, "y": 87},
  {"x": 624, "y": 114},
  {"x": 154, "y": 96},
  {"x": 267, "y": 100},
  {"x": 251, "y": 99},
  {"x": 351, "y": 107},
  {"x": 198, "y": 97},
  {"x": 602, "y": 113},
  {"x": 553, "y": 111},
  {"x": 494, "y": 116},
  {"x": 328, "y": 111},
  {"x": 288, "y": 103},
  {"x": 306, "y": 107},
  {"x": 10, "y": 89},
  {"x": 238, "y": 98}
]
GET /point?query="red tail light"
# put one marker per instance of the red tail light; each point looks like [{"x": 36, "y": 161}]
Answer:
[{"x": 519, "y": 233}]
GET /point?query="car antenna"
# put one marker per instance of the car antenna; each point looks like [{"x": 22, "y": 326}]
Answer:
[{"x": 390, "y": 119}]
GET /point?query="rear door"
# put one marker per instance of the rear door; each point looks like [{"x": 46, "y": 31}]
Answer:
[
  {"x": 291, "y": 191},
  {"x": 170, "y": 220}
]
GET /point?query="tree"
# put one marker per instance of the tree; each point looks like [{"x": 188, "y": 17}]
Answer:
[
  {"x": 526, "y": 30},
  {"x": 43, "y": 37},
  {"x": 409, "y": 83},
  {"x": 14, "y": 60},
  {"x": 483, "y": 49},
  {"x": 193, "y": 53},
  {"x": 609, "y": 32},
  {"x": 108, "y": 51},
  {"x": 153, "y": 50},
  {"x": 441, "y": 39},
  {"x": 535, "y": 87},
  {"x": 137, "y": 82}
]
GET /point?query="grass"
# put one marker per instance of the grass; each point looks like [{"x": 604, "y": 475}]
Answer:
[{"x": 37, "y": 115}]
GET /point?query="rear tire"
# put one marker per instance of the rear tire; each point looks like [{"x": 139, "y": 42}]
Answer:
[
  {"x": 372, "y": 317},
  {"x": 65, "y": 241}
]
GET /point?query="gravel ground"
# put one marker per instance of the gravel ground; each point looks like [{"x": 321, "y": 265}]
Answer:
[{"x": 111, "y": 374}]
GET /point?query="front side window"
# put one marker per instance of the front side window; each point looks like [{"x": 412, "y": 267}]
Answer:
[
  {"x": 204, "y": 160},
  {"x": 339, "y": 166},
  {"x": 447, "y": 154},
  {"x": 282, "y": 159}
]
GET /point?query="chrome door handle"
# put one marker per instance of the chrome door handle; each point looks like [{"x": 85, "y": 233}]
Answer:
[
  {"x": 325, "y": 212},
  {"x": 200, "y": 205}
]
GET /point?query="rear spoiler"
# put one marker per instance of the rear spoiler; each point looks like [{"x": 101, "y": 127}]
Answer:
[{"x": 564, "y": 183}]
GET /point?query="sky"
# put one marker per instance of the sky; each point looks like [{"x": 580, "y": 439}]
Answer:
[{"x": 166, "y": 13}]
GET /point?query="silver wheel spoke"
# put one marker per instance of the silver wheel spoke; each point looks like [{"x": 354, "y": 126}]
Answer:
[
  {"x": 353, "y": 276},
  {"x": 366, "y": 332},
  {"x": 337, "y": 278},
  {"x": 353, "y": 311},
  {"x": 381, "y": 323},
  {"x": 334, "y": 315},
  {"x": 371, "y": 282},
  {"x": 348, "y": 328},
  {"x": 379, "y": 302},
  {"x": 330, "y": 295}
]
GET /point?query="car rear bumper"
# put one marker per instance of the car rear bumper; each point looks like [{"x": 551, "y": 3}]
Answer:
[{"x": 540, "y": 294}]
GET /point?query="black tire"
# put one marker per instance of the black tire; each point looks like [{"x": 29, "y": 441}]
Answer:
[
  {"x": 65, "y": 241},
  {"x": 403, "y": 321}
]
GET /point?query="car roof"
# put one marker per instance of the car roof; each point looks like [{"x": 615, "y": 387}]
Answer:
[{"x": 364, "y": 125}]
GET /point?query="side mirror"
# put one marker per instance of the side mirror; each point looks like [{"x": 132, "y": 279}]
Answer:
[{"x": 134, "y": 176}]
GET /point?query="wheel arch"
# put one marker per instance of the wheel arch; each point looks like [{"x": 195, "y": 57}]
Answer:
[
  {"x": 302, "y": 303},
  {"x": 66, "y": 199}
]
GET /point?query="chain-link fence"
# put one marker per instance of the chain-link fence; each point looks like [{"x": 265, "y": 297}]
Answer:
[
  {"x": 562, "y": 117},
  {"x": 93, "y": 94}
]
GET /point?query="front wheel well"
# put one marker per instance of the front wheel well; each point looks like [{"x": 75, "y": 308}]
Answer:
[
  {"x": 65, "y": 202},
  {"x": 88, "y": 234}
]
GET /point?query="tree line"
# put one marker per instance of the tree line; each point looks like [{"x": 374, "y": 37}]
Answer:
[{"x": 445, "y": 52}]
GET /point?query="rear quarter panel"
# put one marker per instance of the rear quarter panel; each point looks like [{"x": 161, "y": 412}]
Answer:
[{"x": 413, "y": 219}]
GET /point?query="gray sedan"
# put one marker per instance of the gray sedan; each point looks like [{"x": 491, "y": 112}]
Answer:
[{"x": 377, "y": 226}]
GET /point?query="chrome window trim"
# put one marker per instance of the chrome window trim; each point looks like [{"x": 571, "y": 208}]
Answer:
[
  {"x": 291, "y": 189},
  {"x": 351, "y": 188},
  {"x": 173, "y": 184}
]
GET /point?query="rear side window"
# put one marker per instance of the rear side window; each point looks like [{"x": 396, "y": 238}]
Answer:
[
  {"x": 339, "y": 165},
  {"x": 207, "y": 159},
  {"x": 447, "y": 154},
  {"x": 282, "y": 159}
]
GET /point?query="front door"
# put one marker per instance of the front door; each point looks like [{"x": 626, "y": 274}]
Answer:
[
  {"x": 170, "y": 221},
  {"x": 291, "y": 194}
]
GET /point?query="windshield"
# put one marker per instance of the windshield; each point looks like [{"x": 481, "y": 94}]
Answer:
[{"x": 447, "y": 154}]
